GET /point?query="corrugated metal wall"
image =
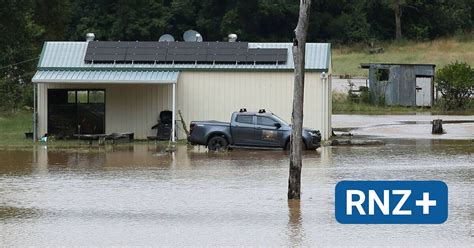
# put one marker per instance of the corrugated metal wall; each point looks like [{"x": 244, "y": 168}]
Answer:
[
  {"x": 400, "y": 89},
  {"x": 215, "y": 95},
  {"x": 205, "y": 96}
]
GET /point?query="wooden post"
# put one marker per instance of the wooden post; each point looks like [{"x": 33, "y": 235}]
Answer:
[
  {"x": 183, "y": 123},
  {"x": 437, "y": 127},
  {"x": 35, "y": 117},
  {"x": 299, "y": 45}
]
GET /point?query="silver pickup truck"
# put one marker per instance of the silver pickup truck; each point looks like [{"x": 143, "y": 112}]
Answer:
[{"x": 249, "y": 129}]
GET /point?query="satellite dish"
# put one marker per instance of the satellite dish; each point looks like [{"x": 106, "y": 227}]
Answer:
[
  {"x": 192, "y": 36},
  {"x": 166, "y": 37}
]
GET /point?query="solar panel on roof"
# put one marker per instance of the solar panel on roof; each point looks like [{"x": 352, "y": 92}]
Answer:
[
  {"x": 184, "y": 57},
  {"x": 108, "y": 50},
  {"x": 145, "y": 57},
  {"x": 187, "y": 52},
  {"x": 144, "y": 44},
  {"x": 229, "y": 44},
  {"x": 108, "y": 44}
]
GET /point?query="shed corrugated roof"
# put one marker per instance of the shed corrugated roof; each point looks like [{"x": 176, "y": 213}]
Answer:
[
  {"x": 106, "y": 76},
  {"x": 70, "y": 55},
  {"x": 367, "y": 65}
]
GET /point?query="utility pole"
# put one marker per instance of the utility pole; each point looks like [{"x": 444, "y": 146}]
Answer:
[{"x": 299, "y": 47}]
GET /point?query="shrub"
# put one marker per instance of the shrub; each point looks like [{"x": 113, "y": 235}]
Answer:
[
  {"x": 364, "y": 94},
  {"x": 456, "y": 84}
]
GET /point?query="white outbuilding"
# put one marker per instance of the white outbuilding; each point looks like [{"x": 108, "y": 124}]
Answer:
[{"x": 102, "y": 87}]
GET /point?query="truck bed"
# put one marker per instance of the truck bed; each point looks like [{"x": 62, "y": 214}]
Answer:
[
  {"x": 211, "y": 122},
  {"x": 200, "y": 130}
]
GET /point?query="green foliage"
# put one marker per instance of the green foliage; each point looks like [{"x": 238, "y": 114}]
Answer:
[
  {"x": 13, "y": 126},
  {"x": 456, "y": 84},
  {"x": 342, "y": 104},
  {"x": 341, "y": 21},
  {"x": 18, "y": 50},
  {"x": 352, "y": 24},
  {"x": 26, "y": 24},
  {"x": 364, "y": 94},
  {"x": 54, "y": 17}
]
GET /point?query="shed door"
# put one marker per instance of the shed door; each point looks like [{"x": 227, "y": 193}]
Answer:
[{"x": 423, "y": 91}]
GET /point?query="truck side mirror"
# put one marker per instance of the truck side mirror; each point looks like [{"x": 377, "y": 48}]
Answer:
[{"x": 277, "y": 125}]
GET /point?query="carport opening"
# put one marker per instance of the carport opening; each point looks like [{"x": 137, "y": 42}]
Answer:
[{"x": 76, "y": 111}]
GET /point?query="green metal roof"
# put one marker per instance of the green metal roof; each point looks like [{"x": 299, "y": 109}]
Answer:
[
  {"x": 70, "y": 56},
  {"x": 106, "y": 76}
]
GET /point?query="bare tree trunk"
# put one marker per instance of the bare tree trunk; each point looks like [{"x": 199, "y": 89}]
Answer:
[
  {"x": 299, "y": 45},
  {"x": 398, "y": 20},
  {"x": 437, "y": 127}
]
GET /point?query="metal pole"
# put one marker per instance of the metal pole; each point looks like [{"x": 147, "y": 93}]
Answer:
[
  {"x": 34, "y": 111},
  {"x": 329, "y": 82},
  {"x": 326, "y": 102},
  {"x": 325, "y": 95},
  {"x": 173, "y": 124},
  {"x": 324, "y": 106}
]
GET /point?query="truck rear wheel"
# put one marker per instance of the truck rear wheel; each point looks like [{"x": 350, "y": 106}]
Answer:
[{"x": 217, "y": 143}]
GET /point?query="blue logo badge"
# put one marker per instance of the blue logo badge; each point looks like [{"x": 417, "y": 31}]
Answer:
[{"x": 391, "y": 202}]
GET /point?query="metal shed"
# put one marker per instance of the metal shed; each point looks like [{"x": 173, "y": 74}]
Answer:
[
  {"x": 130, "y": 96},
  {"x": 401, "y": 84}
]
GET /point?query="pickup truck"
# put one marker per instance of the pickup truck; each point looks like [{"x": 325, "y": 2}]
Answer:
[{"x": 249, "y": 129}]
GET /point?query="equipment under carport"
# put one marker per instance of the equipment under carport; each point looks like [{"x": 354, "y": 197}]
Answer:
[{"x": 164, "y": 126}]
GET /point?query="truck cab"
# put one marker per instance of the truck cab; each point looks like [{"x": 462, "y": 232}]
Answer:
[{"x": 259, "y": 129}]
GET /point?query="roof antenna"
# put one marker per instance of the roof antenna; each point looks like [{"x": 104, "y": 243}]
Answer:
[
  {"x": 232, "y": 37},
  {"x": 90, "y": 37}
]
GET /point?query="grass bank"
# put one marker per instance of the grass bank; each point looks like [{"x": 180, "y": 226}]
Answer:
[
  {"x": 342, "y": 105},
  {"x": 13, "y": 126},
  {"x": 347, "y": 59}
]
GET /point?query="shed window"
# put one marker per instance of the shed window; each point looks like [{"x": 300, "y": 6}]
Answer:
[
  {"x": 383, "y": 74},
  {"x": 247, "y": 119},
  {"x": 71, "y": 96},
  {"x": 82, "y": 96},
  {"x": 96, "y": 96}
]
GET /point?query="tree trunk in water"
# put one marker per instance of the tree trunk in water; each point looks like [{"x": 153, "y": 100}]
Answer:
[
  {"x": 299, "y": 45},
  {"x": 437, "y": 127},
  {"x": 398, "y": 20}
]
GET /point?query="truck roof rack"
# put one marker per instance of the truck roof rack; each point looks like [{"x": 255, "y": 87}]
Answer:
[
  {"x": 243, "y": 110},
  {"x": 261, "y": 111}
]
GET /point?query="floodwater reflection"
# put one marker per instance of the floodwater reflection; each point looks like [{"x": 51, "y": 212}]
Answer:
[
  {"x": 295, "y": 225},
  {"x": 142, "y": 195}
]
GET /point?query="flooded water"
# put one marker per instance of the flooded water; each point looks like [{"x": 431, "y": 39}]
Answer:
[
  {"x": 456, "y": 127},
  {"x": 138, "y": 195}
]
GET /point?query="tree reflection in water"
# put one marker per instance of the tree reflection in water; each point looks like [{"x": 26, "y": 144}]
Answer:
[{"x": 295, "y": 224}]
